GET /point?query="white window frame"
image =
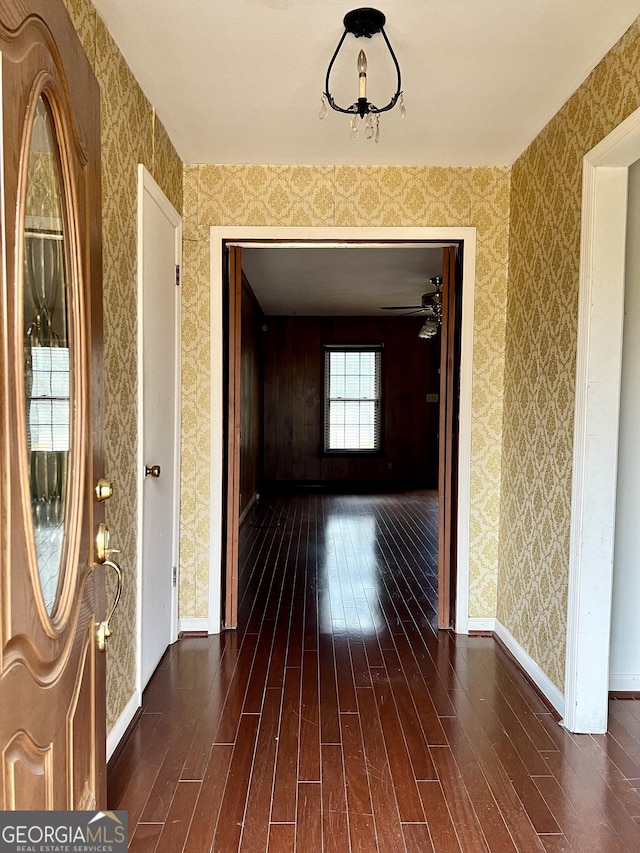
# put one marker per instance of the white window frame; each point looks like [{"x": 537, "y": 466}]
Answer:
[{"x": 328, "y": 400}]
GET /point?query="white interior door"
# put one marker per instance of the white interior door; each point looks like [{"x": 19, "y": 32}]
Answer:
[{"x": 159, "y": 246}]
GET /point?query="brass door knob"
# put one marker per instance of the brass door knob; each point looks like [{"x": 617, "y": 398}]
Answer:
[
  {"x": 104, "y": 490},
  {"x": 152, "y": 471}
]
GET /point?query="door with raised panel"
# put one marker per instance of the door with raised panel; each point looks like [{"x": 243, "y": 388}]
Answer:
[
  {"x": 159, "y": 247},
  {"x": 52, "y": 671}
]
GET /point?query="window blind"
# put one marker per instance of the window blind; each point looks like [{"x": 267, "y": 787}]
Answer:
[
  {"x": 352, "y": 410},
  {"x": 48, "y": 424}
]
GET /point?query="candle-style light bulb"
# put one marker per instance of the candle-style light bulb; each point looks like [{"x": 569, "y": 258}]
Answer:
[{"x": 362, "y": 71}]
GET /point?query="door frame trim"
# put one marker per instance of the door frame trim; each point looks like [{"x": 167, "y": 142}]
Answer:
[
  {"x": 597, "y": 417},
  {"x": 146, "y": 183},
  {"x": 447, "y": 437},
  {"x": 340, "y": 237}
]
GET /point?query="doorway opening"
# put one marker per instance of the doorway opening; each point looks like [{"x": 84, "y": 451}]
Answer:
[{"x": 329, "y": 238}]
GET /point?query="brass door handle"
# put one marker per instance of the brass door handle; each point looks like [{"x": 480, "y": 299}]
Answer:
[
  {"x": 103, "y": 630},
  {"x": 103, "y": 557},
  {"x": 103, "y": 544},
  {"x": 152, "y": 471}
]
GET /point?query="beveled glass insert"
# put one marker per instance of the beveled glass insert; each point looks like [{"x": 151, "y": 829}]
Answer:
[{"x": 48, "y": 387}]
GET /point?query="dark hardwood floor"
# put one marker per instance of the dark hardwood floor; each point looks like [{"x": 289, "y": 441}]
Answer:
[{"x": 336, "y": 718}]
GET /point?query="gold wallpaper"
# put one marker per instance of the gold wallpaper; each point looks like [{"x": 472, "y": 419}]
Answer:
[
  {"x": 131, "y": 134},
  {"x": 346, "y": 196},
  {"x": 544, "y": 253}
]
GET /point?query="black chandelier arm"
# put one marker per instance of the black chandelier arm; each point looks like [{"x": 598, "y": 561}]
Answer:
[
  {"x": 357, "y": 108},
  {"x": 377, "y": 110},
  {"x": 353, "y": 109},
  {"x": 395, "y": 62},
  {"x": 326, "y": 82}
]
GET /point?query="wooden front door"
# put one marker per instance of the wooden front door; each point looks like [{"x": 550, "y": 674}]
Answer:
[{"x": 52, "y": 675}]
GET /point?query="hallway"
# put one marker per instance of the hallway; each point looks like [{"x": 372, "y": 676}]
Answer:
[{"x": 336, "y": 718}]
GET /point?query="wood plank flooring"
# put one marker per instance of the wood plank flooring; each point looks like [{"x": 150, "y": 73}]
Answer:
[{"x": 336, "y": 719}]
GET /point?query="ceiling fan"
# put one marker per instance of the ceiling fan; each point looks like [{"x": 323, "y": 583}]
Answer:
[{"x": 431, "y": 302}]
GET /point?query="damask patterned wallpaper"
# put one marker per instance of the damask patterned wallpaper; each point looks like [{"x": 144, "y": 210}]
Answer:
[
  {"x": 544, "y": 255},
  {"x": 131, "y": 134},
  {"x": 346, "y": 196}
]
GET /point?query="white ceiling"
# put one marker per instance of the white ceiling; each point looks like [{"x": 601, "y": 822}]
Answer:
[
  {"x": 353, "y": 281},
  {"x": 239, "y": 81}
]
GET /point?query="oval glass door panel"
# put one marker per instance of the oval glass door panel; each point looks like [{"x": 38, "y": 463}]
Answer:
[{"x": 48, "y": 386}]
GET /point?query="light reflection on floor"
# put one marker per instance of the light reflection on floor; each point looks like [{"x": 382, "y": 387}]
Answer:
[{"x": 350, "y": 550}]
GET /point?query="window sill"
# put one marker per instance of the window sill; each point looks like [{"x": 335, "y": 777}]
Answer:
[{"x": 367, "y": 453}]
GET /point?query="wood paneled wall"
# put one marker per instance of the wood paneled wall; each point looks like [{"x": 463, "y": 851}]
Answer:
[
  {"x": 251, "y": 404},
  {"x": 293, "y": 397}
]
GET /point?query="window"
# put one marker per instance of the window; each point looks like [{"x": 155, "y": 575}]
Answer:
[
  {"x": 352, "y": 398},
  {"x": 48, "y": 420}
]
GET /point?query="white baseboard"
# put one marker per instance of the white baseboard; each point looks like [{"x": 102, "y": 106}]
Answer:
[
  {"x": 189, "y": 624},
  {"x": 535, "y": 673},
  {"x": 481, "y": 624},
  {"x": 624, "y": 682},
  {"x": 122, "y": 723}
]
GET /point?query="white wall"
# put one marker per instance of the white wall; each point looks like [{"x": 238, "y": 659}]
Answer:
[{"x": 624, "y": 672}]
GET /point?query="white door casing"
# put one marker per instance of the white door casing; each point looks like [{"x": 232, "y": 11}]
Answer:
[
  {"x": 597, "y": 414},
  {"x": 624, "y": 658},
  {"x": 339, "y": 237},
  {"x": 159, "y": 254}
]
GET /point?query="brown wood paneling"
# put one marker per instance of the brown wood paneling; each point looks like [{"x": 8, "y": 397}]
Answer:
[
  {"x": 293, "y": 401},
  {"x": 251, "y": 409}
]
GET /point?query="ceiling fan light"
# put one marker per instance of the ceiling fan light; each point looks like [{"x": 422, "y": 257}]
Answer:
[{"x": 429, "y": 329}]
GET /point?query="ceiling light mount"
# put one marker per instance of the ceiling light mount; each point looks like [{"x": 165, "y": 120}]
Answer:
[{"x": 363, "y": 23}]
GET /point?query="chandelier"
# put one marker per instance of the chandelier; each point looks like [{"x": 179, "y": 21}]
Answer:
[{"x": 363, "y": 23}]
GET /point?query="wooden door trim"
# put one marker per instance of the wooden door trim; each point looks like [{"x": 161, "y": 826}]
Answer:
[
  {"x": 447, "y": 440},
  {"x": 222, "y": 237},
  {"x": 234, "y": 344}
]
